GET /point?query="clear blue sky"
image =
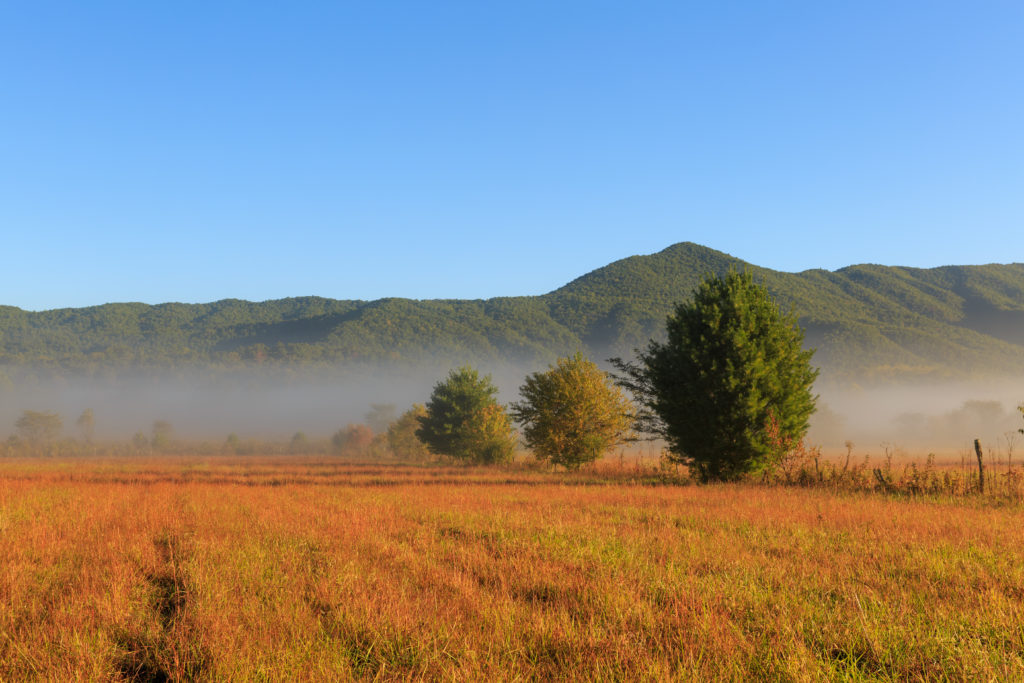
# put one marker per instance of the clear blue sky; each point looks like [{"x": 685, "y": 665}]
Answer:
[{"x": 193, "y": 151}]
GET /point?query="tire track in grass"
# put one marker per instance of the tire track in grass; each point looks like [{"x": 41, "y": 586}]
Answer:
[{"x": 165, "y": 651}]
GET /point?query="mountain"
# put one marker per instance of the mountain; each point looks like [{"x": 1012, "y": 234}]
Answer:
[{"x": 866, "y": 321}]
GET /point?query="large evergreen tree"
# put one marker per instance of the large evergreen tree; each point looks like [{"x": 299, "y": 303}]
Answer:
[{"x": 730, "y": 388}]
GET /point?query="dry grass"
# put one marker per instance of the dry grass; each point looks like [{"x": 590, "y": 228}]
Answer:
[{"x": 223, "y": 569}]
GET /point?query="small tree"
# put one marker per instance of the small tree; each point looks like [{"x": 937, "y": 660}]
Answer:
[
  {"x": 86, "y": 423},
  {"x": 299, "y": 443},
  {"x": 464, "y": 421},
  {"x": 162, "y": 435},
  {"x": 37, "y": 427},
  {"x": 572, "y": 413},
  {"x": 730, "y": 389},
  {"x": 353, "y": 440},
  {"x": 139, "y": 442},
  {"x": 380, "y": 416},
  {"x": 402, "y": 439}
]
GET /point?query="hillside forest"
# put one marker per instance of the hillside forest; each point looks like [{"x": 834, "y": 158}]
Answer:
[{"x": 868, "y": 323}]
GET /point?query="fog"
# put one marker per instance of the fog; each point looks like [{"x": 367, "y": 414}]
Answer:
[
  {"x": 944, "y": 417},
  {"x": 257, "y": 403}
]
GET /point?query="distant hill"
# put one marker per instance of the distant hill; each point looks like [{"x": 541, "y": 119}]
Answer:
[{"x": 866, "y": 321}]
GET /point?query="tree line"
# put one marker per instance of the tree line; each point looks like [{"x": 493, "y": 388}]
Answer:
[{"x": 728, "y": 391}]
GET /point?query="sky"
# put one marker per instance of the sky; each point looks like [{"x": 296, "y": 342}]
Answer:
[{"x": 196, "y": 151}]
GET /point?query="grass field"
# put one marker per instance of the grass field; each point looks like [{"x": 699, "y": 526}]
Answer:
[{"x": 232, "y": 569}]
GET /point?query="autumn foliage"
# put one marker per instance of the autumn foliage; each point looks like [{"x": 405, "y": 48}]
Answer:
[{"x": 572, "y": 413}]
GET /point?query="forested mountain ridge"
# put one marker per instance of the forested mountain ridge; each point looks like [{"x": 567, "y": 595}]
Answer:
[{"x": 865, "y": 320}]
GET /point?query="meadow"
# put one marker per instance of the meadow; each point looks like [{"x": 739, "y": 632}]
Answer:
[{"x": 293, "y": 568}]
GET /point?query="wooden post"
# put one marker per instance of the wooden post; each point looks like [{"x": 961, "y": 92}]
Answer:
[{"x": 981, "y": 467}]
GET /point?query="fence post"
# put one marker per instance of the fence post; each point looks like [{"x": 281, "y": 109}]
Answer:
[{"x": 981, "y": 467}]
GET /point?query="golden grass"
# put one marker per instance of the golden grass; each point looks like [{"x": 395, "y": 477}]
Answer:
[{"x": 224, "y": 569}]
